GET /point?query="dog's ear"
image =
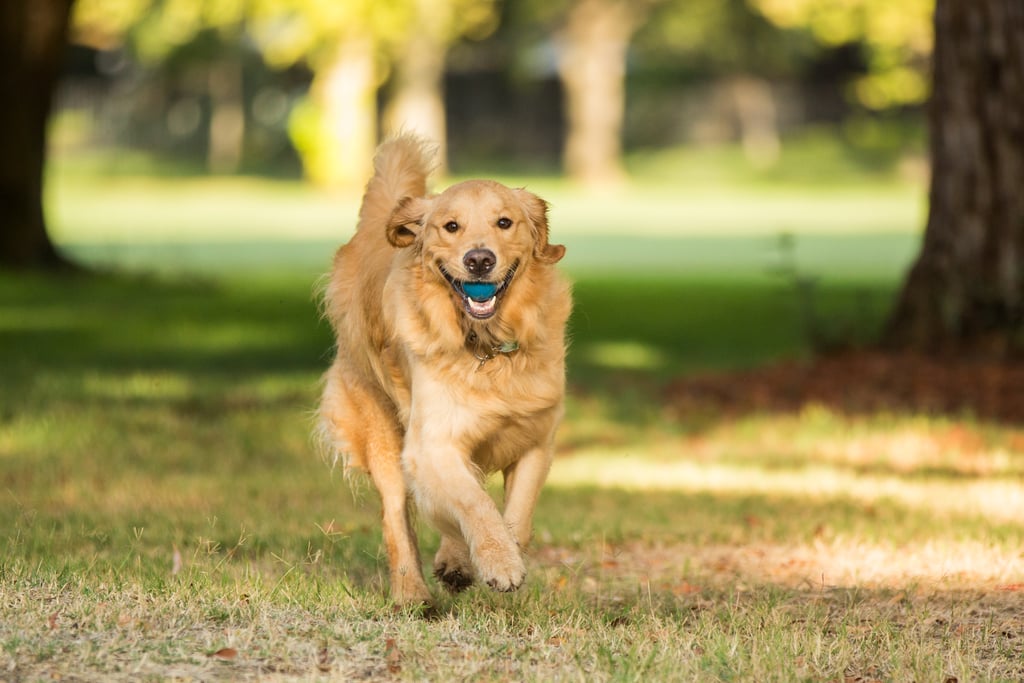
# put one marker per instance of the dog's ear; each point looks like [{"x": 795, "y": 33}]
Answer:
[
  {"x": 537, "y": 212},
  {"x": 406, "y": 221}
]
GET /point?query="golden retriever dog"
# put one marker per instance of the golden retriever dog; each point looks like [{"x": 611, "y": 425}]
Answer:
[{"x": 450, "y": 323}]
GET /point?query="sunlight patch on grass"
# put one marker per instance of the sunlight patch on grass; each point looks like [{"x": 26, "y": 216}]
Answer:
[
  {"x": 138, "y": 385},
  {"x": 85, "y": 210},
  {"x": 628, "y": 355},
  {"x": 993, "y": 500},
  {"x": 15, "y": 318},
  {"x": 125, "y": 209},
  {"x": 227, "y": 336},
  {"x": 906, "y": 444},
  {"x": 821, "y": 563}
]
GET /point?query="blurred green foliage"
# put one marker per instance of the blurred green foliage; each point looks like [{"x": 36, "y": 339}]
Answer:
[
  {"x": 897, "y": 37},
  {"x": 350, "y": 47},
  {"x": 354, "y": 47}
]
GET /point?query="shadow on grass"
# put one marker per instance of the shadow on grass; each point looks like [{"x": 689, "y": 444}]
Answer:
[
  {"x": 124, "y": 323},
  {"x": 650, "y": 329}
]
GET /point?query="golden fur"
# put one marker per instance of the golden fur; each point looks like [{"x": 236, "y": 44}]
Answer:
[{"x": 428, "y": 398}]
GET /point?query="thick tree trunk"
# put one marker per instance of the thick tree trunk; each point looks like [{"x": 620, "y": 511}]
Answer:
[
  {"x": 33, "y": 35},
  {"x": 593, "y": 73},
  {"x": 416, "y": 104},
  {"x": 966, "y": 289}
]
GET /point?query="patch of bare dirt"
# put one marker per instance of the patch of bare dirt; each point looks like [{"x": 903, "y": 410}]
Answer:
[{"x": 863, "y": 382}]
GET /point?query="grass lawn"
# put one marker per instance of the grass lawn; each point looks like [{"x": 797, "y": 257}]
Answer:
[{"x": 164, "y": 516}]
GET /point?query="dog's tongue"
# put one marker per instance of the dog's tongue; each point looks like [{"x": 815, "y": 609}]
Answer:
[
  {"x": 485, "y": 308},
  {"x": 479, "y": 291}
]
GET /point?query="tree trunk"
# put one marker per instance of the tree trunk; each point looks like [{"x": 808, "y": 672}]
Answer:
[
  {"x": 337, "y": 138},
  {"x": 593, "y": 73},
  {"x": 758, "y": 120},
  {"x": 416, "y": 104},
  {"x": 965, "y": 290},
  {"x": 226, "y": 87},
  {"x": 33, "y": 35}
]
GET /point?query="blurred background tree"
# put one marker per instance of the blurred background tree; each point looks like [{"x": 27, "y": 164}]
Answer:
[
  {"x": 266, "y": 85},
  {"x": 593, "y": 43},
  {"x": 351, "y": 48},
  {"x": 269, "y": 84},
  {"x": 751, "y": 63},
  {"x": 565, "y": 62},
  {"x": 33, "y": 34},
  {"x": 895, "y": 38},
  {"x": 334, "y": 130},
  {"x": 204, "y": 39},
  {"x": 415, "y": 97}
]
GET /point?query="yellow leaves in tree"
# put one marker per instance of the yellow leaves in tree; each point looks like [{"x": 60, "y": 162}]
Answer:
[
  {"x": 100, "y": 23},
  {"x": 897, "y": 35},
  {"x": 156, "y": 26}
]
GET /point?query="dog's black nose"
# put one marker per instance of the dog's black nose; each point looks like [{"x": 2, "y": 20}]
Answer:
[{"x": 479, "y": 262}]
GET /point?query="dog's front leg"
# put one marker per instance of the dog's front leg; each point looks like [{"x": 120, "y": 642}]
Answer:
[
  {"x": 452, "y": 565},
  {"x": 448, "y": 491},
  {"x": 523, "y": 481}
]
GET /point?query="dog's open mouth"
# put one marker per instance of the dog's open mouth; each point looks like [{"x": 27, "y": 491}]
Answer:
[{"x": 480, "y": 297}]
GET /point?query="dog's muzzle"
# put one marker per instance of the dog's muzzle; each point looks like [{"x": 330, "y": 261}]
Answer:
[{"x": 480, "y": 297}]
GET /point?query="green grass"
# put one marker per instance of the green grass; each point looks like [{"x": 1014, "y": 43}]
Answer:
[
  {"x": 146, "y": 419},
  {"x": 819, "y": 188},
  {"x": 161, "y": 502}
]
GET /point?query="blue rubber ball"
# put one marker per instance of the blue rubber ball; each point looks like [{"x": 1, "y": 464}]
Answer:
[{"x": 479, "y": 291}]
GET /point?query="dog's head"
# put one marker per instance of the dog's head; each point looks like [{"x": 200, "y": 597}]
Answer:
[{"x": 476, "y": 236}]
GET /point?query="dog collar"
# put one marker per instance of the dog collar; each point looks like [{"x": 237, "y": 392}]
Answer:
[{"x": 484, "y": 354}]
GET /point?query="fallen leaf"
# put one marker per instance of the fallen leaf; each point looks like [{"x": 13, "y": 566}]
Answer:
[
  {"x": 392, "y": 656},
  {"x": 685, "y": 588},
  {"x": 896, "y": 599},
  {"x": 225, "y": 653},
  {"x": 324, "y": 660}
]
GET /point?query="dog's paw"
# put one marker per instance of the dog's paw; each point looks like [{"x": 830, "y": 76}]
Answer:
[
  {"x": 412, "y": 594},
  {"x": 454, "y": 580},
  {"x": 452, "y": 565},
  {"x": 502, "y": 571}
]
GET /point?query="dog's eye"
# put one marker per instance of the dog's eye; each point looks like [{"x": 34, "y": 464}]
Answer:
[
  {"x": 504, "y": 223},
  {"x": 451, "y": 226}
]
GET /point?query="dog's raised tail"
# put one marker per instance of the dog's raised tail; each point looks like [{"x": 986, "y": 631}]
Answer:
[{"x": 400, "y": 169}]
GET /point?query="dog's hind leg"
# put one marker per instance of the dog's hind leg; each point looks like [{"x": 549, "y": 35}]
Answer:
[
  {"x": 371, "y": 429},
  {"x": 407, "y": 584}
]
